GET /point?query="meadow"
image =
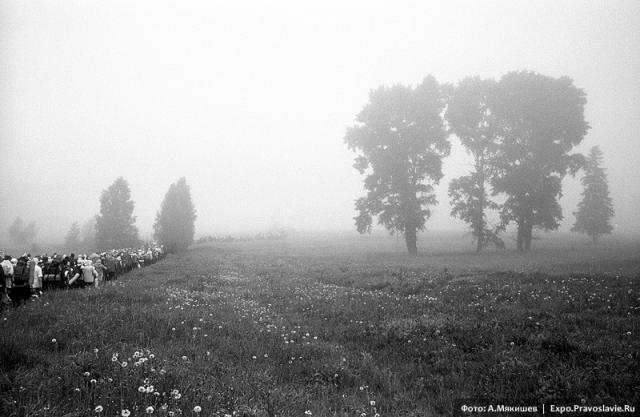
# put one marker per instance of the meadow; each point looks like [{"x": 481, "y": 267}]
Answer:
[{"x": 333, "y": 325}]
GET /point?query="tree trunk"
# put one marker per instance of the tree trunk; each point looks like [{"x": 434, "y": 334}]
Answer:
[
  {"x": 480, "y": 214},
  {"x": 411, "y": 239},
  {"x": 520, "y": 237},
  {"x": 528, "y": 236}
]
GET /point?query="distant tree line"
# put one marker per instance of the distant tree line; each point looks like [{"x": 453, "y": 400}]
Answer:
[
  {"x": 520, "y": 132},
  {"x": 114, "y": 226}
]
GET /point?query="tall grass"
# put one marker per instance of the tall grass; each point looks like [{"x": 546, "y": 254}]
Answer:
[{"x": 255, "y": 330}]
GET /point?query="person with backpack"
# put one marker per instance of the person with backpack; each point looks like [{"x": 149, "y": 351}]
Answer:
[
  {"x": 20, "y": 290},
  {"x": 100, "y": 270},
  {"x": 7, "y": 269},
  {"x": 89, "y": 274},
  {"x": 35, "y": 277}
]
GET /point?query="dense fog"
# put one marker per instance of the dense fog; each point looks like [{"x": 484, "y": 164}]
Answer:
[{"x": 251, "y": 101}]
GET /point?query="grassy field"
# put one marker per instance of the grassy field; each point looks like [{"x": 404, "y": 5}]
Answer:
[{"x": 333, "y": 326}]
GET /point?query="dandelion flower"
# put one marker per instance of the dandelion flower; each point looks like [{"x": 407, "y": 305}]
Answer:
[
  {"x": 86, "y": 374},
  {"x": 184, "y": 358},
  {"x": 125, "y": 413},
  {"x": 98, "y": 409},
  {"x": 307, "y": 413},
  {"x": 141, "y": 389},
  {"x": 372, "y": 403},
  {"x": 149, "y": 410},
  {"x": 124, "y": 364},
  {"x": 197, "y": 409},
  {"x": 53, "y": 340}
]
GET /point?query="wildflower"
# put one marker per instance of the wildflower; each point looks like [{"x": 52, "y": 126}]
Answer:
[
  {"x": 98, "y": 409},
  {"x": 95, "y": 350},
  {"x": 372, "y": 403},
  {"x": 149, "y": 410},
  {"x": 197, "y": 409},
  {"x": 124, "y": 364},
  {"x": 93, "y": 381},
  {"x": 184, "y": 358},
  {"x": 53, "y": 340},
  {"x": 114, "y": 358},
  {"x": 307, "y": 413},
  {"x": 150, "y": 389},
  {"x": 86, "y": 374},
  {"x": 141, "y": 389},
  {"x": 152, "y": 356},
  {"x": 125, "y": 413}
]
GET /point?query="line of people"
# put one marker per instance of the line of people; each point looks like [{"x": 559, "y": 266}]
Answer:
[{"x": 24, "y": 277}]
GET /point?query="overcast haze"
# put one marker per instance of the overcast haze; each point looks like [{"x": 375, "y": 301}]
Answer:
[{"x": 250, "y": 102}]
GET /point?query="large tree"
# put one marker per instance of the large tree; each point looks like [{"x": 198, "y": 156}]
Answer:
[
  {"x": 71, "y": 240},
  {"x": 21, "y": 234},
  {"x": 471, "y": 119},
  {"x": 596, "y": 208},
  {"x": 174, "y": 226},
  {"x": 88, "y": 234},
  {"x": 400, "y": 138},
  {"x": 541, "y": 120},
  {"x": 115, "y": 225}
]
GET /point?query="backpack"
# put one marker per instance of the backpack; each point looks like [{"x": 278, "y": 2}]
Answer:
[{"x": 21, "y": 273}]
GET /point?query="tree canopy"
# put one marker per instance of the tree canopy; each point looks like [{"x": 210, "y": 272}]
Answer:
[
  {"x": 596, "y": 208},
  {"x": 541, "y": 120},
  {"x": 71, "y": 240},
  {"x": 174, "y": 226},
  {"x": 400, "y": 138},
  {"x": 471, "y": 118},
  {"x": 20, "y": 234},
  {"x": 115, "y": 225}
]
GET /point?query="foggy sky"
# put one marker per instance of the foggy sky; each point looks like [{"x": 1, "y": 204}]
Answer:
[{"x": 250, "y": 101}]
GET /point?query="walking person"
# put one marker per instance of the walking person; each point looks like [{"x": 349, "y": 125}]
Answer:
[
  {"x": 89, "y": 274},
  {"x": 100, "y": 270}
]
